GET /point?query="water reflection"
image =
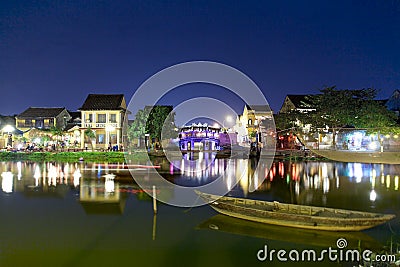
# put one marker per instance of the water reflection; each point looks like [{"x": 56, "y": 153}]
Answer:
[
  {"x": 30, "y": 176},
  {"x": 92, "y": 209},
  {"x": 101, "y": 197},
  {"x": 7, "y": 182},
  {"x": 317, "y": 183},
  {"x": 223, "y": 223},
  {"x": 363, "y": 186}
]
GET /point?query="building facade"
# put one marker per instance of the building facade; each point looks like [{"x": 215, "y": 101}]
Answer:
[
  {"x": 251, "y": 126},
  {"x": 104, "y": 114},
  {"x": 300, "y": 103},
  {"x": 42, "y": 118},
  {"x": 199, "y": 137}
]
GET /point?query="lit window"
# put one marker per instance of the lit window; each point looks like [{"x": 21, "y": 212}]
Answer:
[
  {"x": 113, "y": 118},
  {"x": 101, "y": 118},
  {"x": 89, "y": 118},
  {"x": 100, "y": 138}
]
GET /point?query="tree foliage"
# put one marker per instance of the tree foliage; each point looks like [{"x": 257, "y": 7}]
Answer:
[
  {"x": 287, "y": 120},
  {"x": 138, "y": 128},
  {"x": 356, "y": 108},
  {"x": 161, "y": 122},
  {"x": 56, "y": 132},
  {"x": 89, "y": 136},
  {"x": 153, "y": 120}
]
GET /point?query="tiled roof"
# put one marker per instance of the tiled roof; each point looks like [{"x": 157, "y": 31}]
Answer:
[
  {"x": 33, "y": 112},
  {"x": 393, "y": 103},
  {"x": 103, "y": 102},
  {"x": 4, "y": 120},
  {"x": 75, "y": 114},
  {"x": 259, "y": 108},
  {"x": 300, "y": 101}
]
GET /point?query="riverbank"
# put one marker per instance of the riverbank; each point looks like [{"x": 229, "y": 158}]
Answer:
[
  {"x": 119, "y": 157},
  {"x": 68, "y": 156},
  {"x": 387, "y": 157}
]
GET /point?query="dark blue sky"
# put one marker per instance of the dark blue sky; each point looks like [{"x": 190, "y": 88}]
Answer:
[{"x": 53, "y": 53}]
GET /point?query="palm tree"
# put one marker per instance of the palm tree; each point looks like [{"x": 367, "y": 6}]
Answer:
[{"x": 89, "y": 136}]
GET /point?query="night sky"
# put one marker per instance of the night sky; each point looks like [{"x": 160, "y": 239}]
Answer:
[{"x": 54, "y": 53}]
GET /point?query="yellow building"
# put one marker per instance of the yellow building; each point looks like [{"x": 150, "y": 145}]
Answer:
[
  {"x": 248, "y": 125},
  {"x": 104, "y": 115},
  {"x": 42, "y": 118}
]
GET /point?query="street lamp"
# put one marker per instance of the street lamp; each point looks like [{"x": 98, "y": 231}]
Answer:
[
  {"x": 8, "y": 129},
  {"x": 227, "y": 119},
  {"x": 110, "y": 128}
]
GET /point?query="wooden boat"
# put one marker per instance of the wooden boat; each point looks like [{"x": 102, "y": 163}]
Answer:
[{"x": 299, "y": 216}]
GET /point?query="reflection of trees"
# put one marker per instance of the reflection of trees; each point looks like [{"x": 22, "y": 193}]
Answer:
[{"x": 337, "y": 185}]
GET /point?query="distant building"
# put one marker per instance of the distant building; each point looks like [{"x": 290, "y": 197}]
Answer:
[
  {"x": 393, "y": 103},
  {"x": 105, "y": 115},
  {"x": 199, "y": 137},
  {"x": 6, "y": 120},
  {"x": 75, "y": 120},
  {"x": 300, "y": 103},
  {"x": 250, "y": 124},
  {"x": 72, "y": 130},
  {"x": 42, "y": 118}
]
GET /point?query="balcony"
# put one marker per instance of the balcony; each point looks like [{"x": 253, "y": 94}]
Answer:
[{"x": 99, "y": 125}]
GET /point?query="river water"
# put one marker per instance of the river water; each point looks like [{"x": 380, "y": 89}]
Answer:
[{"x": 93, "y": 214}]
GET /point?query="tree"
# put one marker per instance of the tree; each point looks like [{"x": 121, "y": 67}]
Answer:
[
  {"x": 57, "y": 132},
  {"x": 138, "y": 128},
  {"x": 89, "y": 136},
  {"x": 288, "y": 120},
  {"x": 161, "y": 122},
  {"x": 339, "y": 108},
  {"x": 157, "y": 121}
]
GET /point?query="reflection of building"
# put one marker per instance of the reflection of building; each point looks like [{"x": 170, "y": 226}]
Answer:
[
  {"x": 105, "y": 115},
  {"x": 42, "y": 118},
  {"x": 39, "y": 179},
  {"x": 199, "y": 137},
  {"x": 101, "y": 197},
  {"x": 251, "y": 124}
]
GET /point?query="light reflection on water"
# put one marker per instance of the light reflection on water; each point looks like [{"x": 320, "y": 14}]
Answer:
[
  {"x": 96, "y": 207},
  {"x": 300, "y": 178}
]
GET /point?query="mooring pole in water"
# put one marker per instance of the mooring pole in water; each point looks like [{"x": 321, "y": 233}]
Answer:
[
  {"x": 154, "y": 200},
  {"x": 154, "y": 226}
]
